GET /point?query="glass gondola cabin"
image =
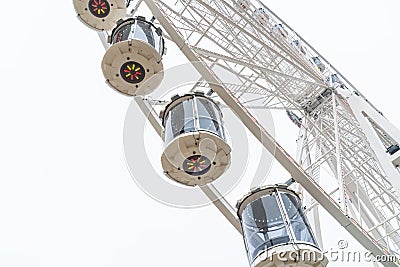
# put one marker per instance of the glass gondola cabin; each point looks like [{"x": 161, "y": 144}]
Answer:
[
  {"x": 261, "y": 16},
  {"x": 276, "y": 231},
  {"x": 132, "y": 65},
  {"x": 196, "y": 151},
  {"x": 244, "y": 4}
]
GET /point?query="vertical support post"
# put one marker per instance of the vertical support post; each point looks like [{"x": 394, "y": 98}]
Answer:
[
  {"x": 339, "y": 172},
  {"x": 304, "y": 158},
  {"x": 103, "y": 38}
]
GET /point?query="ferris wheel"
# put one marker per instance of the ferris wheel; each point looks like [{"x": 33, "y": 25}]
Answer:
[{"x": 339, "y": 129}]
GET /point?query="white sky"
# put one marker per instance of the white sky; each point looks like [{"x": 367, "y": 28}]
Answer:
[{"x": 66, "y": 196}]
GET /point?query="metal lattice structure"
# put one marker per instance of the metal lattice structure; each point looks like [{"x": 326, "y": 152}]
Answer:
[{"x": 340, "y": 130}]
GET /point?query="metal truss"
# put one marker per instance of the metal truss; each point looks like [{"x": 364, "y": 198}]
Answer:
[{"x": 340, "y": 132}]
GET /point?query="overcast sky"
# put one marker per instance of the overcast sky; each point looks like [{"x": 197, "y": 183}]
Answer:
[{"x": 66, "y": 195}]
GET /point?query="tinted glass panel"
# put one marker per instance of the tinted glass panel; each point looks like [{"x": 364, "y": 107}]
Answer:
[
  {"x": 140, "y": 30},
  {"x": 298, "y": 220},
  {"x": 147, "y": 32},
  {"x": 209, "y": 117},
  {"x": 144, "y": 32},
  {"x": 263, "y": 226},
  {"x": 179, "y": 120},
  {"x": 124, "y": 33}
]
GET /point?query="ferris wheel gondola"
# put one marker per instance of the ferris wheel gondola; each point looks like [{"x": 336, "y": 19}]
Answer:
[
  {"x": 100, "y": 15},
  {"x": 196, "y": 151},
  {"x": 132, "y": 65},
  {"x": 275, "y": 228}
]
